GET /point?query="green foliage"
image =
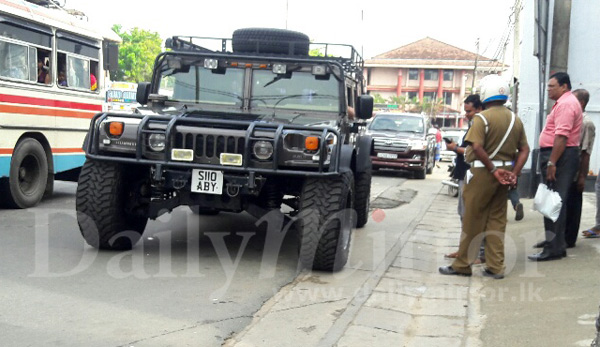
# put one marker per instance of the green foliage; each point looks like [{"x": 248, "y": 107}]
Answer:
[
  {"x": 378, "y": 99},
  {"x": 316, "y": 52},
  {"x": 136, "y": 54}
]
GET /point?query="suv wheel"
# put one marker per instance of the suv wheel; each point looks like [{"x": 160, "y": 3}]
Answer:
[
  {"x": 430, "y": 164},
  {"x": 362, "y": 197},
  {"x": 326, "y": 221},
  {"x": 102, "y": 192},
  {"x": 421, "y": 173}
]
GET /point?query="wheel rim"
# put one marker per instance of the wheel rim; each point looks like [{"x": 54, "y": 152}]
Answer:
[{"x": 29, "y": 174}]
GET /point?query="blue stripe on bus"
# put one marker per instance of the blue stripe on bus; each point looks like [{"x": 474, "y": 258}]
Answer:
[
  {"x": 61, "y": 163},
  {"x": 4, "y": 166},
  {"x": 67, "y": 162}
]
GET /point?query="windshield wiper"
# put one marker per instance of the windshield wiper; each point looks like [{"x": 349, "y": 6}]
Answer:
[{"x": 285, "y": 75}]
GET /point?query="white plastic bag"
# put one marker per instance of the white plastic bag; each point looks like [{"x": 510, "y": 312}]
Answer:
[{"x": 547, "y": 202}]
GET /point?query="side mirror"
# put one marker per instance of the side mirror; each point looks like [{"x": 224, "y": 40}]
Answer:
[
  {"x": 111, "y": 57},
  {"x": 364, "y": 106},
  {"x": 143, "y": 90}
]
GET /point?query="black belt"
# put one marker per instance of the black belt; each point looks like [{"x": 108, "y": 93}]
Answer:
[{"x": 549, "y": 149}]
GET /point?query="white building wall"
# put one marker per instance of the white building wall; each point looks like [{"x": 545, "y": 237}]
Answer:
[
  {"x": 528, "y": 97},
  {"x": 584, "y": 64}
]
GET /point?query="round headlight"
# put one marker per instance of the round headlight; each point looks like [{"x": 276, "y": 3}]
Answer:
[
  {"x": 156, "y": 142},
  {"x": 263, "y": 150}
]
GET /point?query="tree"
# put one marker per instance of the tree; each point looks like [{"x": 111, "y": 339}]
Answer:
[
  {"x": 378, "y": 99},
  {"x": 136, "y": 54}
]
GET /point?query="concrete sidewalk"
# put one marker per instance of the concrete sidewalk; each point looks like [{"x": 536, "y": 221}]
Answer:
[{"x": 405, "y": 301}]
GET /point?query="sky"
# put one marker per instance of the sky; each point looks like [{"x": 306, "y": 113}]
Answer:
[{"x": 371, "y": 26}]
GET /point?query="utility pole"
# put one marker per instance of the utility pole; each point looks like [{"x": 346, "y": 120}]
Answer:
[
  {"x": 475, "y": 68},
  {"x": 287, "y": 7}
]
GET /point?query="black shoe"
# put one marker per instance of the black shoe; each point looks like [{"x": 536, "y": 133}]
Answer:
[
  {"x": 544, "y": 256},
  {"x": 540, "y": 244},
  {"x": 448, "y": 270},
  {"x": 519, "y": 208},
  {"x": 487, "y": 273}
]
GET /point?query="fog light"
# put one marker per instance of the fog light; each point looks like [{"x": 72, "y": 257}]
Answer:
[
  {"x": 311, "y": 143},
  {"x": 157, "y": 142},
  {"x": 116, "y": 128},
  {"x": 262, "y": 150}
]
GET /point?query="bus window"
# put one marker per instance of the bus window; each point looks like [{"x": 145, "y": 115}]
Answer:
[{"x": 13, "y": 61}]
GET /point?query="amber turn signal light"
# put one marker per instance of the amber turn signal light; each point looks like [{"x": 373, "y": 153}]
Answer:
[
  {"x": 115, "y": 128},
  {"x": 311, "y": 143}
]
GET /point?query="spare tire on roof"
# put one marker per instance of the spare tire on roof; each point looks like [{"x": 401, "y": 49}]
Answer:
[{"x": 268, "y": 40}]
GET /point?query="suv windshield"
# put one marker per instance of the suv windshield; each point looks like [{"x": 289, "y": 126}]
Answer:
[
  {"x": 397, "y": 123},
  {"x": 298, "y": 96}
]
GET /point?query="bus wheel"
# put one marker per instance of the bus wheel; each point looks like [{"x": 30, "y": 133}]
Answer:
[{"x": 28, "y": 176}]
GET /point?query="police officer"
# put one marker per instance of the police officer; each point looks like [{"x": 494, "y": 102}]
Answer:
[{"x": 495, "y": 138}]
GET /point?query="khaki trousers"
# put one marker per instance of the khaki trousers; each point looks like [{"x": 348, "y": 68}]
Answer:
[{"x": 485, "y": 216}]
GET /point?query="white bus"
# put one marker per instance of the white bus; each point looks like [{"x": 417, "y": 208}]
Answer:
[{"x": 49, "y": 61}]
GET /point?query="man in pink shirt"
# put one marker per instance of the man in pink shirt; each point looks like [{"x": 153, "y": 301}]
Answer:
[{"x": 559, "y": 158}]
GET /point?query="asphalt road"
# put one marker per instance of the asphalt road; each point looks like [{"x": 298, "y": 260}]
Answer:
[{"x": 191, "y": 280}]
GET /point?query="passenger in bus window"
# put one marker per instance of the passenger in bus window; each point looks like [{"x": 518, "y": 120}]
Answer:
[
  {"x": 62, "y": 79},
  {"x": 93, "y": 82},
  {"x": 43, "y": 73}
]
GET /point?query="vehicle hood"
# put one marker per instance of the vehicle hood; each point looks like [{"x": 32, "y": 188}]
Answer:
[{"x": 396, "y": 135}]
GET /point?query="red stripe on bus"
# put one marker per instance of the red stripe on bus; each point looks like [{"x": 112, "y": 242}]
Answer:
[
  {"x": 36, "y": 111},
  {"x": 54, "y": 150},
  {"x": 67, "y": 150},
  {"x": 48, "y": 102}
]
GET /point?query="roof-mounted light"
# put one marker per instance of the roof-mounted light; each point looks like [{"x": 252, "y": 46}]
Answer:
[
  {"x": 319, "y": 70},
  {"x": 279, "y": 69},
  {"x": 211, "y": 64}
]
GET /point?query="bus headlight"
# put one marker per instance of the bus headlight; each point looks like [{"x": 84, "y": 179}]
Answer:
[
  {"x": 157, "y": 142},
  {"x": 262, "y": 150}
]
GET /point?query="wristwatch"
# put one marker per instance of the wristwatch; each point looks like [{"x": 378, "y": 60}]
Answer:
[{"x": 550, "y": 163}]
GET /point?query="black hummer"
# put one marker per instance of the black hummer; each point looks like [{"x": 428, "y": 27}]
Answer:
[{"x": 243, "y": 129}]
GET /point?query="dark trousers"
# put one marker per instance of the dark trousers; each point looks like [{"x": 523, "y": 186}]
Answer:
[
  {"x": 574, "y": 203},
  {"x": 566, "y": 169}
]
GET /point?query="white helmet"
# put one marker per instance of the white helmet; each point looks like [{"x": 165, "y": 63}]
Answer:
[{"x": 493, "y": 88}]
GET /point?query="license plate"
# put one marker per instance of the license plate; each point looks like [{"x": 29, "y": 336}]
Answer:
[
  {"x": 207, "y": 181},
  {"x": 387, "y": 155}
]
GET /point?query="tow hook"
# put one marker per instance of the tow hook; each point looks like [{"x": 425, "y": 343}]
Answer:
[{"x": 232, "y": 190}]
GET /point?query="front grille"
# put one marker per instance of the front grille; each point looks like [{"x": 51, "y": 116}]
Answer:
[
  {"x": 209, "y": 143},
  {"x": 390, "y": 145}
]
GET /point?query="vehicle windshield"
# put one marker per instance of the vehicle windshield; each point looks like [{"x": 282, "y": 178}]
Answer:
[
  {"x": 296, "y": 97},
  {"x": 301, "y": 92},
  {"x": 202, "y": 86},
  {"x": 397, "y": 123}
]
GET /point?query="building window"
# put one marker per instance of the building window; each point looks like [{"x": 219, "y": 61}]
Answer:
[
  {"x": 447, "y": 98},
  {"x": 413, "y": 74},
  {"x": 431, "y": 75},
  {"x": 431, "y": 96},
  {"x": 448, "y": 75},
  {"x": 411, "y": 95}
]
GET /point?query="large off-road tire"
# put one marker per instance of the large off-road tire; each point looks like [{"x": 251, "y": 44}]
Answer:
[
  {"x": 102, "y": 193},
  {"x": 267, "y": 40},
  {"x": 28, "y": 175},
  {"x": 362, "y": 197},
  {"x": 326, "y": 219}
]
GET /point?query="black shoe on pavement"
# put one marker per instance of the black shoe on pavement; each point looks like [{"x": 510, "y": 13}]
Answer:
[
  {"x": 519, "y": 215},
  {"x": 448, "y": 270},
  {"x": 545, "y": 256},
  {"x": 487, "y": 273},
  {"x": 540, "y": 244}
]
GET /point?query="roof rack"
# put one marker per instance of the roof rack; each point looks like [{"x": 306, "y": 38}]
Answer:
[{"x": 346, "y": 55}]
